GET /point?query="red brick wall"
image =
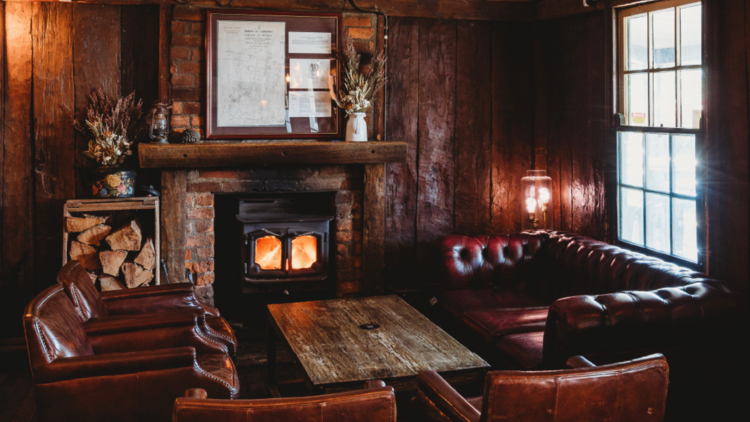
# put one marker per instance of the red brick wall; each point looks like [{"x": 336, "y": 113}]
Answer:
[
  {"x": 188, "y": 66},
  {"x": 348, "y": 180}
]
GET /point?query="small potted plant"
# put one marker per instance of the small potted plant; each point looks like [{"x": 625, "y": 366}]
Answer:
[
  {"x": 110, "y": 130},
  {"x": 360, "y": 83}
]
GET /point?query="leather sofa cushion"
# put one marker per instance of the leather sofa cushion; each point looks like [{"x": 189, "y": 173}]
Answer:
[
  {"x": 523, "y": 349},
  {"x": 494, "y": 324},
  {"x": 458, "y": 302},
  {"x": 220, "y": 327},
  {"x": 219, "y": 368}
]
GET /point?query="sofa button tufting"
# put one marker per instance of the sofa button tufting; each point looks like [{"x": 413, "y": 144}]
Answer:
[{"x": 464, "y": 253}]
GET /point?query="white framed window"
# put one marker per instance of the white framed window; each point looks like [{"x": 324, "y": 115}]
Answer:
[{"x": 660, "y": 96}]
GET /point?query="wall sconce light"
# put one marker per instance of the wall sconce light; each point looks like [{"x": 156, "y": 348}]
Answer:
[{"x": 537, "y": 197}]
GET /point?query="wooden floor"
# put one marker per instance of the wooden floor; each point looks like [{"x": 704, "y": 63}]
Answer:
[{"x": 16, "y": 392}]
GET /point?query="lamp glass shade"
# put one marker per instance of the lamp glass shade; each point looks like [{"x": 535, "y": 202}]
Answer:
[{"x": 536, "y": 188}]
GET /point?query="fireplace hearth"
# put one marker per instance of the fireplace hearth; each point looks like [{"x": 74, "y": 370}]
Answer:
[{"x": 284, "y": 241}]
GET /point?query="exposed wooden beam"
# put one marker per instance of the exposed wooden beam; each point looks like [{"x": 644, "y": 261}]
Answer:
[{"x": 446, "y": 9}]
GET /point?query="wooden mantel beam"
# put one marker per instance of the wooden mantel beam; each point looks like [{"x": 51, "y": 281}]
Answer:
[{"x": 515, "y": 10}]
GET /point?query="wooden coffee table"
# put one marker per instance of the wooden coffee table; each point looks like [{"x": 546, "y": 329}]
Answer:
[{"x": 335, "y": 354}]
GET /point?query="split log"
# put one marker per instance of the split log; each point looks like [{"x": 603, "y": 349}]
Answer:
[
  {"x": 94, "y": 235},
  {"x": 147, "y": 257},
  {"x": 135, "y": 275},
  {"x": 111, "y": 261},
  {"x": 92, "y": 276},
  {"x": 110, "y": 283},
  {"x": 79, "y": 224},
  {"x": 85, "y": 254},
  {"x": 126, "y": 238}
]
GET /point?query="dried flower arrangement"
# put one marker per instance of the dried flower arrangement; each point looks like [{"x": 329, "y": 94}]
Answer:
[
  {"x": 110, "y": 128},
  {"x": 359, "y": 83}
]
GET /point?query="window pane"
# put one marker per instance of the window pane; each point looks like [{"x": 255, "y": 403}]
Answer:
[
  {"x": 684, "y": 229},
  {"x": 631, "y": 158},
  {"x": 683, "y": 153},
  {"x": 663, "y": 38},
  {"x": 657, "y": 222},
  {"x": 631, "y": 215},
  {"x": 637, "y": 43},
  {"x": 657, "y": 162},
  {"x": 690, "y": 35},
  {"x": 665, "y": 99},
  {"x": 638, "y": 99},
  {"x": 690, "y": 86}
]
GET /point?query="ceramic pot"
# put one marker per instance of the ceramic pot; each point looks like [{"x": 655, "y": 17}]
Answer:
[
  {"x": 112, "y": 182},
  {"x": 356, "y": 128}
]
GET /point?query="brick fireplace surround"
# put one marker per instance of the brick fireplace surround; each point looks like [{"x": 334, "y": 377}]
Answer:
[
  {"x": 202, "y": 185},
  {"x": 187, "y": 86}
]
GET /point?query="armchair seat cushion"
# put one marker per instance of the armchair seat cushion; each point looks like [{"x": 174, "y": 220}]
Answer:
[
  {"x": 494, "y": 324},
  {"x": 458, "y": 302},
  {"x": 524, "y": 350},
  {"x": 476, "y": 402},
  {"x": 220, "y": 368}
]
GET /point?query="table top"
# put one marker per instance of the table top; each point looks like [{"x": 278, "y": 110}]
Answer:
[{"x": 332, "y": 348}]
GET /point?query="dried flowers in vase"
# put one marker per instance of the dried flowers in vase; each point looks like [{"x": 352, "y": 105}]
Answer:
[
  {"x": 359, "y": 85},
  {"x": 110, "y": 130}
]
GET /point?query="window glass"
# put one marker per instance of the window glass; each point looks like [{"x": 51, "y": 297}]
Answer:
[
  {"x": 690, "y": 34},
  {"x": 631, "y": 159},
  {"x": 665, "y": 99},
  {"x": 662, "y": 23},
  {"x": 683, "y": 151},
  {"x": 657, "y": 222},
  {"x": 657, "y": 162},
  {"x": 638, "y": 42},
  {"x": 631, "y": 215},
  {"x": 684, "y": 229},
  {"x": 690, "y": 92},
  {"x": 638, "y": 99}
]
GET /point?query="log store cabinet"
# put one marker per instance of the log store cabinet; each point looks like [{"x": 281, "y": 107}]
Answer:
[{"x": 129, "y": 226}]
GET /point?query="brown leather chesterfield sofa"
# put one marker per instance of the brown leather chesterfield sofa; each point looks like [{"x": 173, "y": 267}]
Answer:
[
  {"x": 76, "y": 380},
  {"x": 120, "y": 316},
  {"x": 532, "y": 300},
  {"x": 629, "y": 391},
  {"x": 375, "y": 403}
]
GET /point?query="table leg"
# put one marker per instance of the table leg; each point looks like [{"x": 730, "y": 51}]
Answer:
[{"x": 272, "y": 387}]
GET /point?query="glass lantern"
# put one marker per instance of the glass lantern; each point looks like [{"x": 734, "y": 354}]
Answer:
[
  {"x": 159, "y": 126},
  {"x": 537, "y": 198}
]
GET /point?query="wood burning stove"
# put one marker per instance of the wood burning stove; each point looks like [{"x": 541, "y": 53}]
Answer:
[{"x": 285, "y": 241}]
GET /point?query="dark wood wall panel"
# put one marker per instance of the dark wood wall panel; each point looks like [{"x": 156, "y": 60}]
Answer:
[
  {"x": 573, "y": 57},
  {"x": 473, "y": 128},
  {"x": 401, "y": 178},
  {"x": 96, "y": 63},
  {"x": 437, "y": 97},
  {"x": 54, "y": 140},
  {"x": 512, "y": 120},
  {"x": 18, "y": 189},
  {"x": 728, "y": 138}
]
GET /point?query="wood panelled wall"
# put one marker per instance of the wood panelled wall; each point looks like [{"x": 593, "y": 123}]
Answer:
[
  {"x": 461, "y": 94},
  {"x": 55, "y": 55}
]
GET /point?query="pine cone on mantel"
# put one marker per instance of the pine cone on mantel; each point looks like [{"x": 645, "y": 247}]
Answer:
[{"x": 190, "y": 136}]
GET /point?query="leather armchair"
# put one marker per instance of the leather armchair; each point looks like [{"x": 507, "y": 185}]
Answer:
[
  {"x": 111, "y": 318},
  {"x": 375, "y": 403},
  {"x": 75, "y": 381},
  {"x": 629, "y": 391}
]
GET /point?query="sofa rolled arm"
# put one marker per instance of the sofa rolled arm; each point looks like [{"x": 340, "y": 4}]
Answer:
[
  {"x": 699, "y": 313},
  {"x": 115, "y": 364},
  {"x": 442, "y": 396}
]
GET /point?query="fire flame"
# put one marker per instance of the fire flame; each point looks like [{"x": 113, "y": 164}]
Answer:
[
  {"x": 268, "y": 253},
  {"x": 304, "y": 252}
]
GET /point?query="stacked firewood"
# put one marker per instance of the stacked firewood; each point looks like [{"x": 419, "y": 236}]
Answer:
[{"x": 119, "y": 258}]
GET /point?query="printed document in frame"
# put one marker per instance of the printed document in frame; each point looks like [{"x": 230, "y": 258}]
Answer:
[{"x": 251, "y": 85}]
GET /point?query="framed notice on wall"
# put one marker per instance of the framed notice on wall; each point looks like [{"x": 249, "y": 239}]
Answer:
[{"x": 272, "y": 75}]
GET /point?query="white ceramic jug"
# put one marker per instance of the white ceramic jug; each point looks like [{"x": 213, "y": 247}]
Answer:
[{"x": 356, "y": 128}]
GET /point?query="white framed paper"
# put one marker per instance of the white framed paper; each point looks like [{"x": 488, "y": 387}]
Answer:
[
  {"x": 309, "y": 73},
  {"x": 309, "y": 104},
  {"x": 310, "y": 42}
]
